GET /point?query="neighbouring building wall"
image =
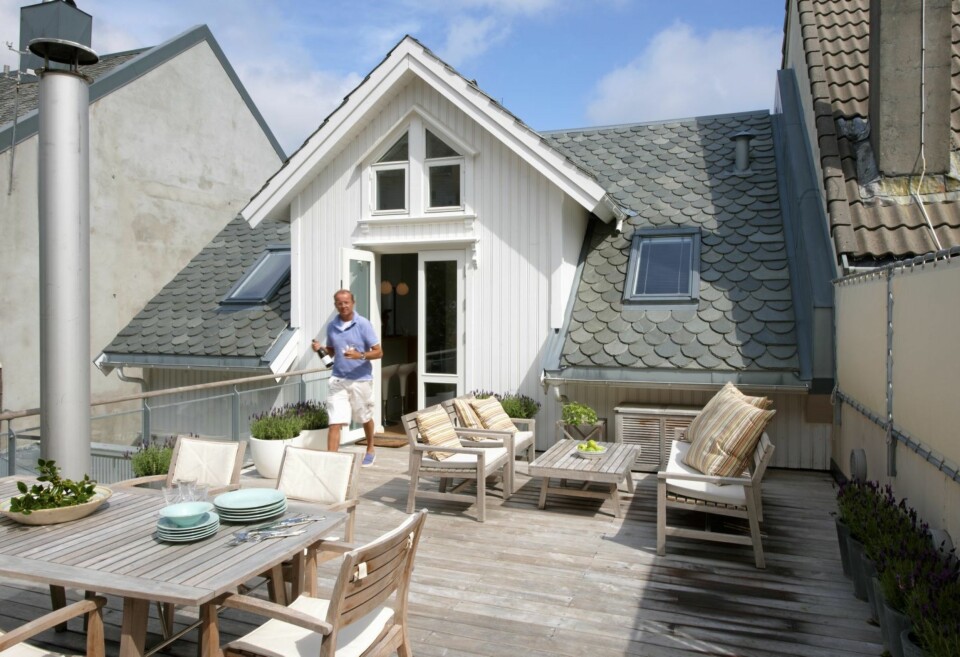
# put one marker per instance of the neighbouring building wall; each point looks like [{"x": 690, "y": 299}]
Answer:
[
  {"x": 799, "y": 443},
  {"x": 174, "y": 154},
  {"x": 515, "y": 258},
  {"x": 924, "y": 377}
]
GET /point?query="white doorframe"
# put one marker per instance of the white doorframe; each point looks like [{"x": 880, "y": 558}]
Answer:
[
  {"x": 425, "y": 377},
  {"x": 355, "y": 265}
]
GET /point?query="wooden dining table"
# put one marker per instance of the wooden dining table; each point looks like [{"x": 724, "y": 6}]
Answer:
[{"x": 115, "y": 551}]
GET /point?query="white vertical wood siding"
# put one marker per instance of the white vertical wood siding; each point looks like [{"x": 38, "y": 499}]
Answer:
[
  {"x": 799, "y": 444},
  {"x": 508, "y": 277}
]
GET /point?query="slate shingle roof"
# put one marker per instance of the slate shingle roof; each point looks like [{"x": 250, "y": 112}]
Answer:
[
  {"x": 30, "y": 85},
  {"x": 680, "y": 173},
  {"x": 186, "y": 318},
  {"x": 836, "y": 41}
]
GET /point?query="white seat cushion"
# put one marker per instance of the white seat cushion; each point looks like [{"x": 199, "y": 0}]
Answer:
[
  {"x": 732, "y": 494},
  {"x": 278, "y": 639},
  {"x": 209, "y": 462},
  {"x": 522, "y": 439},
  {"x": 494, "y": 457}
]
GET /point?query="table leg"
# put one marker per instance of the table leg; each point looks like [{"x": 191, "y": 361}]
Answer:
[
  {"x": 544, "y": 484},
  {"x": 631, "y": 487},
  {"x": 615, "y": 499},
  {"x": 133, "y": 630},
  {"x": 209, "y": 632}
]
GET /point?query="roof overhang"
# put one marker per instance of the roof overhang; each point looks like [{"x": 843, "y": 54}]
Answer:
[
  {"x": 279, "y": 357},
  {"x": 625, "y": 377},
  {"x": 410, "y": 58}
]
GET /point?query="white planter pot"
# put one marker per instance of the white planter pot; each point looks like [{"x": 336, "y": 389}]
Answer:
[
  {"x": 315, "y": 439},
  {"x": 267, "y": 455}
]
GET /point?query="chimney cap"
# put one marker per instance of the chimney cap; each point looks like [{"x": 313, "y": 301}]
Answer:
[
  {"x": 743, "y": 134},
  {"x": 63, "y": 51}
]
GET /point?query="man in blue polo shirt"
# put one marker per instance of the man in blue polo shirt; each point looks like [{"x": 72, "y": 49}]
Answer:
[{"x": 352, "y": 343}]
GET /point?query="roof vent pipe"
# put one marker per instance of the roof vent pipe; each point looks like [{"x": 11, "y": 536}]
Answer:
[{"x": 742, "y": 141}]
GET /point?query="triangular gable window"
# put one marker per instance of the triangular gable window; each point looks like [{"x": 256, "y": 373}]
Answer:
[
  {"x": 444, "y": 169},
  {"x": 399, "y": 152},
  {"x": 436, "y": 147},
  {"x": 262, "y": 280},
  {"x": 391, "y": 177},
  {"x": 664, "y": 266}
]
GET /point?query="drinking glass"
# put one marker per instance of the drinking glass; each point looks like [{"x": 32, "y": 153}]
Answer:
[
  {"x": 171, "y": 495},
  {"x": 187, "y": 489}
]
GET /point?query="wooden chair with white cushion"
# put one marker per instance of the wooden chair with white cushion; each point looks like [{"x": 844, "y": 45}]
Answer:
[
  {"x": 463, "y": 413},
  {"x": 327, "y": 478},
  {"x": 215, "y": 463},
  {"x": 720, "y": 469},
  {"x": 365, "y": 615},
  {"x": 12, "y": 642},
  {"x": 472, "y": 464}
]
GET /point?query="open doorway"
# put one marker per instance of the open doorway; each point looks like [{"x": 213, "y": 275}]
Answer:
[{"x": 398, "y": 335}]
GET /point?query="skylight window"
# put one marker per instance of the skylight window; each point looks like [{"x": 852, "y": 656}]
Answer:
[
  {"x": 664, "y": 266},
  {"x": 261, "y": 281}
]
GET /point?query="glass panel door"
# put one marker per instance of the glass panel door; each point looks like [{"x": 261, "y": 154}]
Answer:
[
  {"x": 441, "y": 333},
  {"x": 357, "y": 276}
]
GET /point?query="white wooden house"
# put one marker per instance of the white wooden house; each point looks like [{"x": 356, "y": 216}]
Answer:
[{"x": 496, "y": 258}]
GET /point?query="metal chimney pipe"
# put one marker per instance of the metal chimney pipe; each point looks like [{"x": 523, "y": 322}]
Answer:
[
  {"x": 64, "y": 203},
  {"x": 742, "y": 144}
]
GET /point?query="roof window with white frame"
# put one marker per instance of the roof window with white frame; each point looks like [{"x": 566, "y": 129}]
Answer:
[
  {"x": 664, "y": 267},
  {"x": 262, "y": 280}
]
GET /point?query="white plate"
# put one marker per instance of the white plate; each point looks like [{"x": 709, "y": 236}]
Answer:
[
  {"x": 167, "y": 527},
  {"x": 249, "y": 499},
  {"x": 273, "y": 508},
  {"x": 188, "y": 538},
  {"x": 228, "y": 517}
]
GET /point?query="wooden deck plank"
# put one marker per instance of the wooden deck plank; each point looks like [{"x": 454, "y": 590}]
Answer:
[{"x": 572, "y": 580}]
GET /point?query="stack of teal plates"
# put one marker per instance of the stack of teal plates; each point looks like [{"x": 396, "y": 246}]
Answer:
[
  {"x": 250, "y": 504},
  {"x": 207, "y": 526}
]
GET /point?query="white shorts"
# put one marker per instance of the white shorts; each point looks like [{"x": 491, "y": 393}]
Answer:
[{"x": 347, "y": 398}]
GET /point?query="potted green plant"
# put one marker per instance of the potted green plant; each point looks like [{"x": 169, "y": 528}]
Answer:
[
  {"x": 580, "y": 422},
  {"x": 515, "y": 405},
  {"x": 315, "y": 423},
  {"x": 270, "y": 433},
  {"x": 54, "y": 499},
  {"x": 153, "y": 458}
]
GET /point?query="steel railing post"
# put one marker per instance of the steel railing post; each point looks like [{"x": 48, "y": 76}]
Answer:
[
  {"x": 235, "y": 404},
  {"x": 145, "y": 424}
]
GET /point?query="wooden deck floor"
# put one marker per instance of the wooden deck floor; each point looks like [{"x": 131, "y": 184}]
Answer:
[{"x": 574, "y": 580}]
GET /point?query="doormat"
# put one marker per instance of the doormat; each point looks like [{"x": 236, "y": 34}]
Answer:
[{"x": 385, "y": 440}]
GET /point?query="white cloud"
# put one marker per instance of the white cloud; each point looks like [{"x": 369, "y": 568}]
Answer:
[
  {"x": 468, "y": 38},
  {"x": 294, "y": 102},
  {"x": 682, "y": 74}
]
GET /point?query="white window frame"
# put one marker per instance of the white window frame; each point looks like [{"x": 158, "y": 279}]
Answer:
[
  {"x": 440, "y": 162},
  {"x": 652, "y": 235},
  {"x": 375, "y": 187}
]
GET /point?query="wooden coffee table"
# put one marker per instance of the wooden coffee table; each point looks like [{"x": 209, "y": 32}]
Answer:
[{"x": 599, "y": 477}]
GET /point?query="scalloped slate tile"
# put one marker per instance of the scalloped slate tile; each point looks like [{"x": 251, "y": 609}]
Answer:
[{"x": 678, "y": 173}]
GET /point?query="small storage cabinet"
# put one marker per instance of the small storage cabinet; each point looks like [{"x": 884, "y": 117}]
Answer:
[{"x": 653, "y": 428}]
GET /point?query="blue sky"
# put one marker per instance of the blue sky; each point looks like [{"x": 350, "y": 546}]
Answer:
[{"x": 554, "y": 63}]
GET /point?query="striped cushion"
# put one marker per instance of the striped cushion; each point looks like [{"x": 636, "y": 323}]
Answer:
[
  {"x": 468, "y": 418},
  {"x": 436, "y": 429},
  {"x": 725, "y": 436},
  {"x": 726, "y": 392},
  {"x": 465, "y": 413},
  {"x": 492, "y": 415}
]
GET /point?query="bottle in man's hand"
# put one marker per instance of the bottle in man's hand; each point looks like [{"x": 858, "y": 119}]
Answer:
[{"x": 322, "y": 352}]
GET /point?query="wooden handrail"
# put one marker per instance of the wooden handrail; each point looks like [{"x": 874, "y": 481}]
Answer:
[{"x": 13, "y": 415}]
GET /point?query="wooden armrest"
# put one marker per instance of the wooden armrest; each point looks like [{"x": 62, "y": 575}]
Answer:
[
  {"x": 528, "y": 422},
  {"x": 273, "y": 610},
  {"x": 54, "y": 618},
  {"x": 491, "y": 433},
  {"x": 423, "y": 447},
  {"x": 708, "y": 479},
  {"x": 138, "y": 481},
  {"x": 346, "y": 505}
]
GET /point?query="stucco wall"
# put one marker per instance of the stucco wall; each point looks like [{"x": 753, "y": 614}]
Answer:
[
  {"x": 925, "y": 380},
  {"x": 174, "y": 155}
]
